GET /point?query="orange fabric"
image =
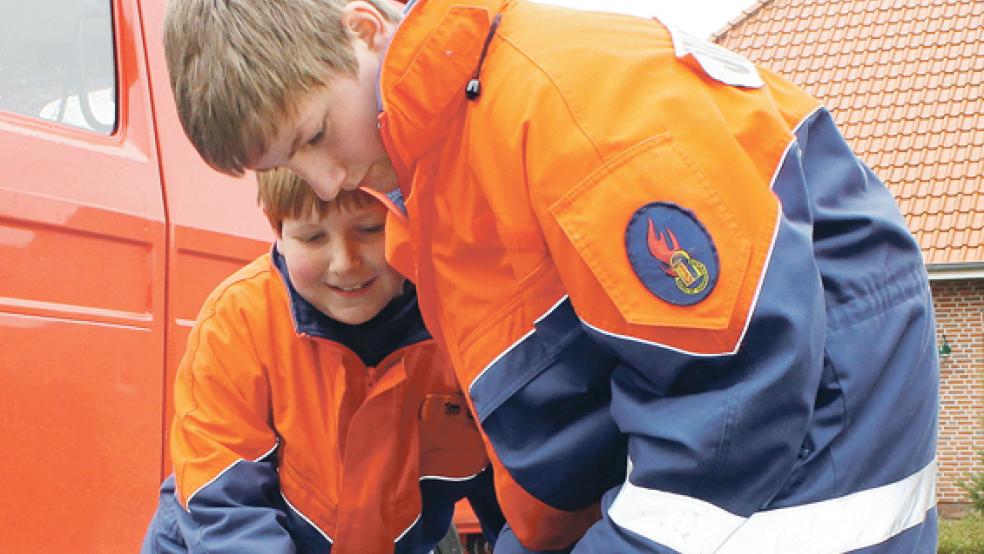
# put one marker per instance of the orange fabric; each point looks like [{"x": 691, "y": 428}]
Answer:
[
  {"x": 350, "y": 455},
  {"x": 523, "y": 195}
]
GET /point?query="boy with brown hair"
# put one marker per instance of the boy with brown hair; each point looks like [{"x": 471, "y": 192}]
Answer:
[
  {"x": 668, "y": 286},
  {"x": 313, "y": 412}
]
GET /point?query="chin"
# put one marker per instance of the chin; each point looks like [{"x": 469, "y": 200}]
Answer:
[{"x": 352, "y": 317}]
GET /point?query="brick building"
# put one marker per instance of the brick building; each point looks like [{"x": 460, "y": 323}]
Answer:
[{"x": 904, "y": 80}]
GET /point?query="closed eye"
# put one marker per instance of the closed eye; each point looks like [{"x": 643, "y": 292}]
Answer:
[
  {"x": 317, "y": 136},
  {"x": 312, "y": 237}
]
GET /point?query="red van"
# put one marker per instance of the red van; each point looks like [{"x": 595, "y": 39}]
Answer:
[{"x": 112, "y": 232}]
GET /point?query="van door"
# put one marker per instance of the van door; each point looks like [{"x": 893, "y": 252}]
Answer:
[
  {"x": 214, "y": 224},
  {"x": 82, "y": 277}
]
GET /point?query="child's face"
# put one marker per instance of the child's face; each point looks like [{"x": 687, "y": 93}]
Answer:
[
  {"x": 334, "y": 141},
  {"x": 337, "y": 262}
]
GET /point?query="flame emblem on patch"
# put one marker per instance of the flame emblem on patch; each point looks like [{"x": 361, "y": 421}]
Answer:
[{"x": 689, "y": 274}]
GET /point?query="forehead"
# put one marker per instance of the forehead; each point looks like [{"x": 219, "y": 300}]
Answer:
[{"x": 351, "y": 208}]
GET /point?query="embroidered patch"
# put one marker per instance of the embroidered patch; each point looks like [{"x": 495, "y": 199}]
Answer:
[{"x": 672, "y": 253}]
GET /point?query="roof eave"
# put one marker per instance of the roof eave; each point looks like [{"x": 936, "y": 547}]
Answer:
[
  {"x": 745, "y": 14},
  {"x": 950, "y": 272}
]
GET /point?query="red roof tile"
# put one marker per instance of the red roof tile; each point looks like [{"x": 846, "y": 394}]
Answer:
[{"x": 904, "y": 79}]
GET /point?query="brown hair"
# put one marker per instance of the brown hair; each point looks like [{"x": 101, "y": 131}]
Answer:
[
  {"x": 283, "y": 195},
  {"x": 238, "y": 67}
]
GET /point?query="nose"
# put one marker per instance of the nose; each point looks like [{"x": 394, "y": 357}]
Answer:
[
  {"x": 323, "y": 175},
  {"x": 344, "y": 256}
]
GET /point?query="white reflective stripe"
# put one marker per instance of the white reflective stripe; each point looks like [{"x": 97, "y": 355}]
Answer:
[
  {"x": 861, "y": 519},
  {"x": 850, "y": 522},
  {"x": 682, "y": 523}
]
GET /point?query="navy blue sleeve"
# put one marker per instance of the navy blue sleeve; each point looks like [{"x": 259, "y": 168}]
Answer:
[{"x": 486, "y": 506}]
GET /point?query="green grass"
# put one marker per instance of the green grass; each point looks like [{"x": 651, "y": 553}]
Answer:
[{"x": 962, "y": 536}]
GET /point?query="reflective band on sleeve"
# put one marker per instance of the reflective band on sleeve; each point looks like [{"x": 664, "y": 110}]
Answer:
[
  {"x": 680, "y": 522},
  {"x": 850, "y": 522}
]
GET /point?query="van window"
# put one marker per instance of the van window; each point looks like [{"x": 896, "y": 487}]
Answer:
[{"x": 56, "y": 61}]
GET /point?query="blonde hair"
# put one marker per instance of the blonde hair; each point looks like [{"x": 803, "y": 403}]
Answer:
[
  {"x": 238, "y": 67},
  {"x": 284, "y": 195}
]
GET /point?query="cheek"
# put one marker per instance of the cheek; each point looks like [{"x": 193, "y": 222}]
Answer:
[
  {"x": 392, "y": 281},
  {"x": 305, "y": 270}
]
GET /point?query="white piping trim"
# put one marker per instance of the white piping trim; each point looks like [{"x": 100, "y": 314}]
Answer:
[
  {"x": 517, "y": 343},
  {"x": 800, "y": 124},
  {"x": 551, "y": 310},
  {"x": 842, "y": 524},
  {"x": 499, "y": 357},
  {"x": 446, "y": 478},
  {"x": 651, "y": 343},
  {"x": 223, "y": 472},
  {"x": 438, "y": 478},
  {"x": 407, "y": 530},
  {"x": 765, "y": 272},
  {"x": 775, "y": 231},
  {"x": 306, "y": 518}
]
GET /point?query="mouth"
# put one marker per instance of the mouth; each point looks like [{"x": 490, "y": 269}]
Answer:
[{"x": 352, "y": 290}]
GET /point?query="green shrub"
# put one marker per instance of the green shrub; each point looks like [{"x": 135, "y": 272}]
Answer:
[
  {"x": 962, "y": 536},
  {"x": 974, "y": 487}
]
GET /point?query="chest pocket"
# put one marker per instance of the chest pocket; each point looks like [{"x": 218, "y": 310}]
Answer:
[{"x": 450, "y": 445}]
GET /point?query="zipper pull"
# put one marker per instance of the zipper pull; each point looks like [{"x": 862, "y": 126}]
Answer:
[{"x": 474, "y": 87}]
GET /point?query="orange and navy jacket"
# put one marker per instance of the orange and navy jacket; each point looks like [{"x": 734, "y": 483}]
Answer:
[
  {"x": 294, "y": 433},
  {"x": 687, "y": 317}
]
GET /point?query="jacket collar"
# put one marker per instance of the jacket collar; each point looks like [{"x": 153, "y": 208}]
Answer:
[
  {"x": 432, "y": 56},
  {"x": 399, "y": 324}
]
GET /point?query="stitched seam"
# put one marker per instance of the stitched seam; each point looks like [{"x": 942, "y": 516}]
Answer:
[{"x": 578, "y": 121}]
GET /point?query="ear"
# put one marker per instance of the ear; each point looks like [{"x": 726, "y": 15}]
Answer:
[{"x": 364, "y": 22}]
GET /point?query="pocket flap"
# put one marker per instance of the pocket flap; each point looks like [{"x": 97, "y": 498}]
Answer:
[{"x": 663, "y": 245}]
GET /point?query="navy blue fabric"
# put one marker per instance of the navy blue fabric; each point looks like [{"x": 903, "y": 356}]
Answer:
[
  {"x": 163, "y": 535},
  {"x": 875, "y": 414},
  {"x": 486, "y": 506},
  {"x": 547, "y": 400},
  {"x": 396, "y": 326},
  {"x": 396, "y": 197},
  {"x": 241, "y": 511},
  {"x": 728, "y": 429},
  {"x": 509, "y": 544},
  {"x": 438, "y": 497},
  {"x": 833, "y": 389}
]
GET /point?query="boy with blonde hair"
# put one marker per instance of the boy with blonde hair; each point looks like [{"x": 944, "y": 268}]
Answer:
[
  {"x": 313, "y": 412},
  {"x": 669, "y": 288}
]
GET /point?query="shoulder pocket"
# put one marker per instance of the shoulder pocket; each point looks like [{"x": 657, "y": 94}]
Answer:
[{"x": 661, "y": 242}]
